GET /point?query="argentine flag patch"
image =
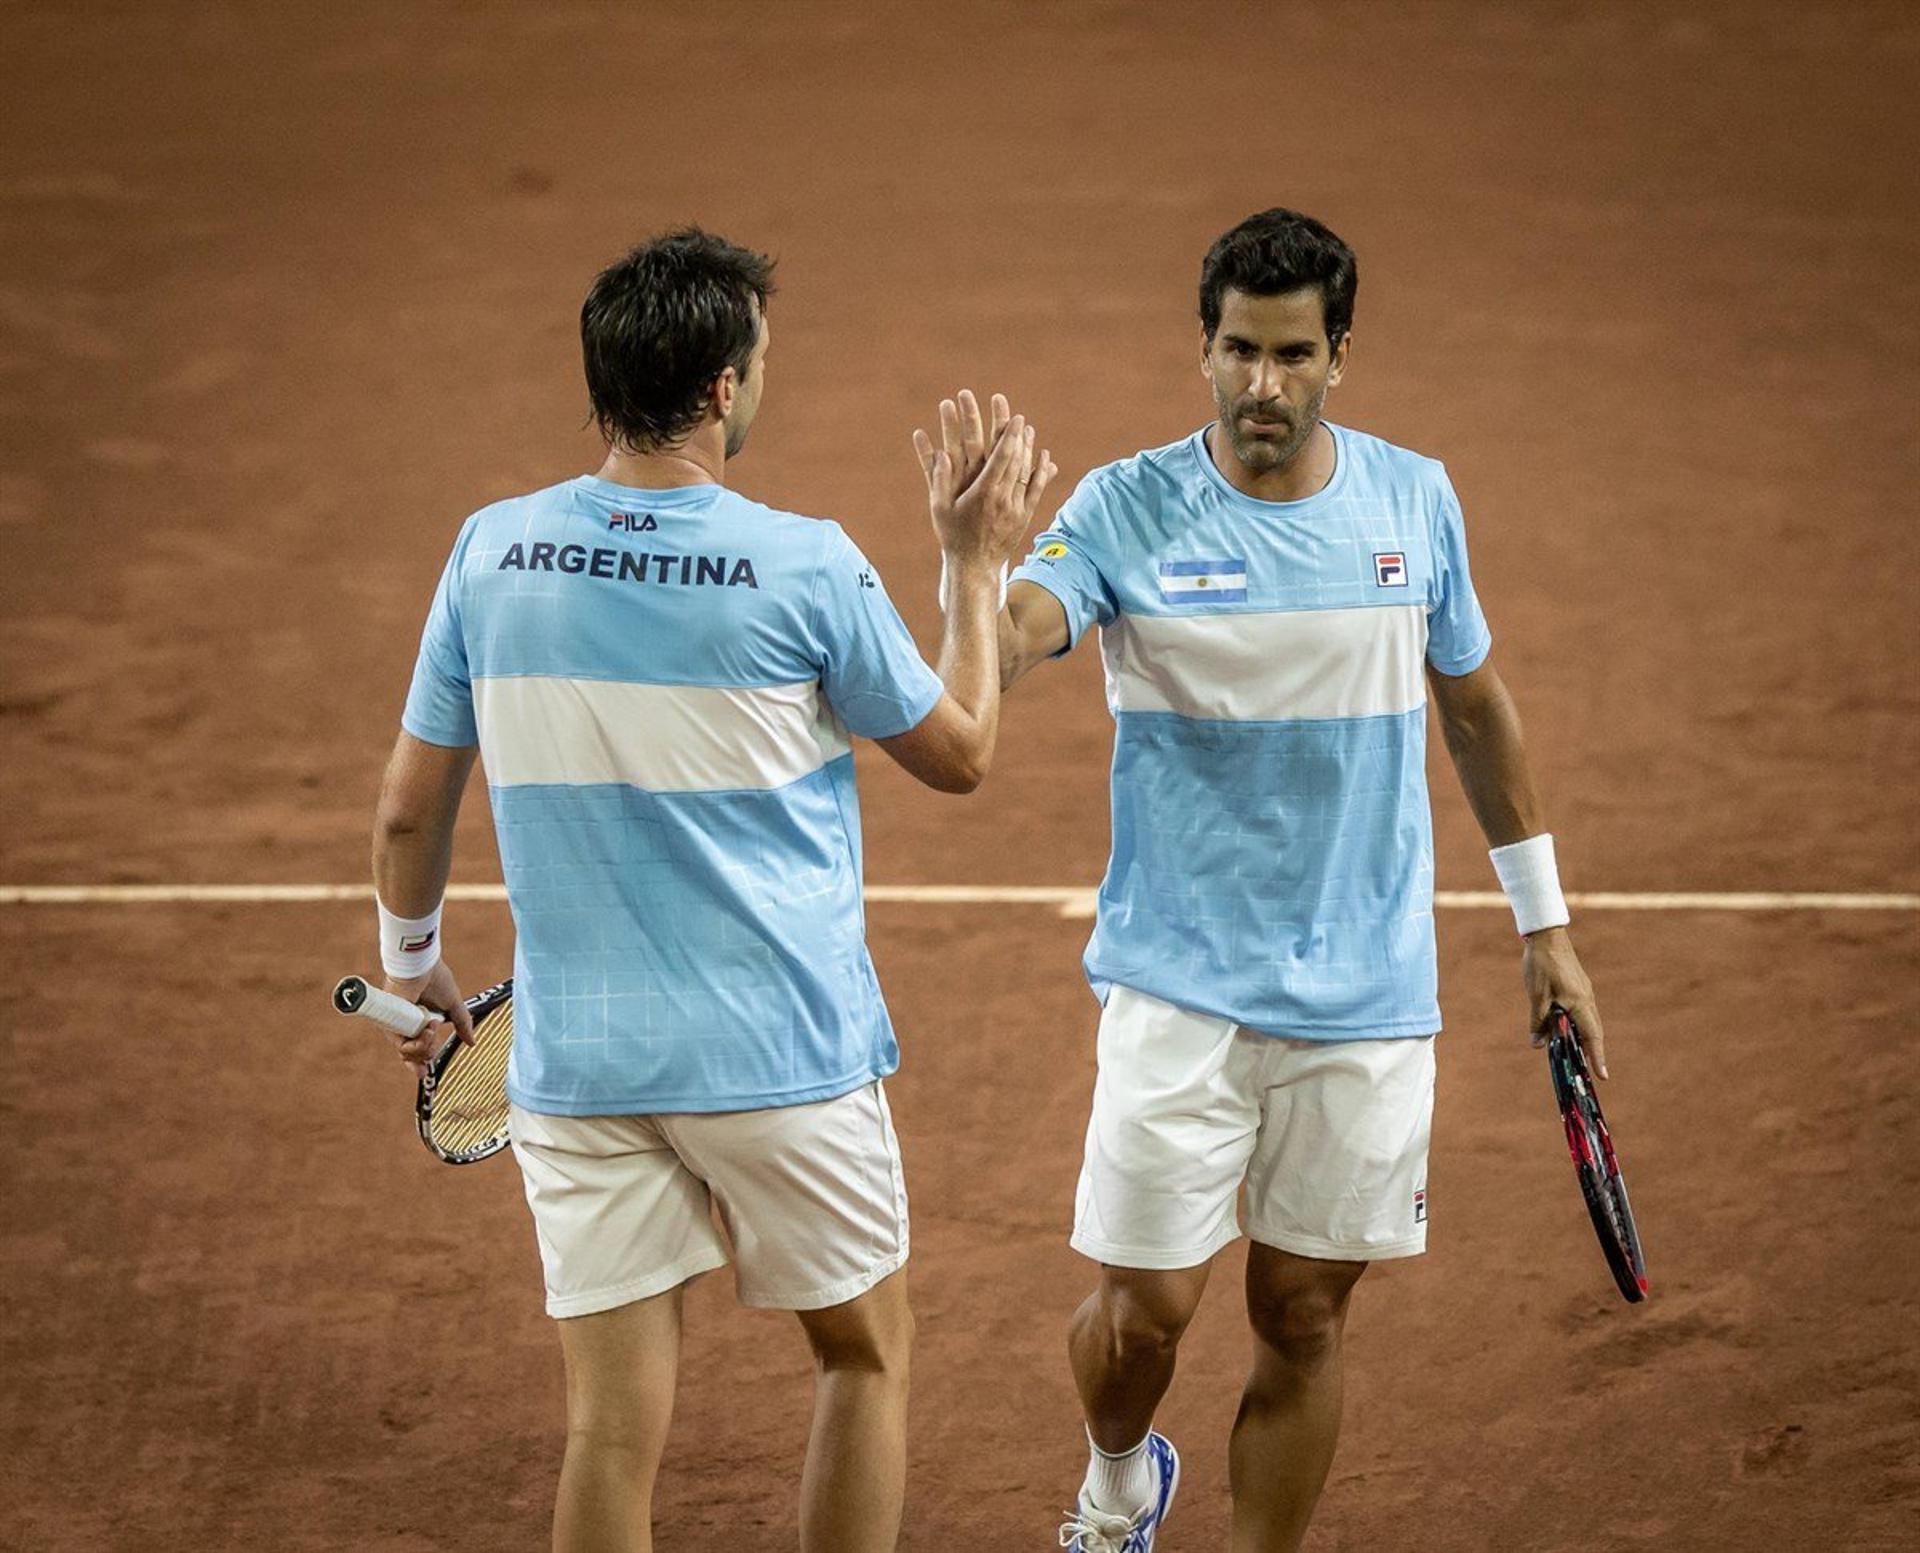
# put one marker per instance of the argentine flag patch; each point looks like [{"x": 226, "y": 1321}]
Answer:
[{"x": 1203, "y": 582}]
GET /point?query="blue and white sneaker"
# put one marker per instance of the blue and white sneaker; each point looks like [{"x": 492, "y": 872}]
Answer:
[{"x": 1089, "y": 1530}]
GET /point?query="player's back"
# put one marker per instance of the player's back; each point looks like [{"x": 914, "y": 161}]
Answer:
[{"x": 648, "y": 674}]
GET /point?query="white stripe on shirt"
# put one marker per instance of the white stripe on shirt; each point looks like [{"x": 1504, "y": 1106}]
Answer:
[
  {"x": 663, "y": 738},
  {"x": 1268, "y": 667}
]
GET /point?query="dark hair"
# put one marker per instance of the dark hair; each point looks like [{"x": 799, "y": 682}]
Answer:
[
  {"x": 661, "y": 324},
  {"x": 1281, "y": 250}
]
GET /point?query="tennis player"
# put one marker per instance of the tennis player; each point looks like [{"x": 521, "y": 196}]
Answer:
[
  {"x": 1278, "y": 598},
  {"x": 660, "y": 678}
]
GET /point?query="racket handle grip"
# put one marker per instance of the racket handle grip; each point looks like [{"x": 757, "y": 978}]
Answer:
[{"x": 354, "y": 995}]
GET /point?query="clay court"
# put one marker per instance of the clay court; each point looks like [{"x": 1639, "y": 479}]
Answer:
[{"x": 287, "y": 292}]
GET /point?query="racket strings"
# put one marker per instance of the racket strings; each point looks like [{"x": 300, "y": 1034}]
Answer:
[{"x": 468, "y": 1110}]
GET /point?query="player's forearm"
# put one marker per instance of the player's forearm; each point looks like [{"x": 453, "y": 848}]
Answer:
[
  {"x": 411, "y": 867},
  {"x": 969, "y": 663},
  {"x": 1489, "y": 753},
  {"x": 413, "y": 827}
]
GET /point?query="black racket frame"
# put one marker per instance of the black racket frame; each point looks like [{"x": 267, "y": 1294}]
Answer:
[
  {"x": 1591, "y": 1145},
  {"x": 478, "y": 1007}
]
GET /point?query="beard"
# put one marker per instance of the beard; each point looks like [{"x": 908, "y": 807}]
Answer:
[
  {"x": 737, "y": 436},
  {"x": 1262, "y": 453}
]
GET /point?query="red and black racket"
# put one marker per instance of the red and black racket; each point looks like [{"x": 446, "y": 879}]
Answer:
[{"x": 1588, "y": 1140}]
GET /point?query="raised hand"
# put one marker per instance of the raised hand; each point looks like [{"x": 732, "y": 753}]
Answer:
[
  {"x": 966, "y": 438},
  {"x": 982, "y": 491}
]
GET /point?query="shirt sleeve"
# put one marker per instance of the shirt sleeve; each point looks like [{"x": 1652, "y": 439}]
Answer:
[
  {"x": 1062, "y": 562},
  {"x": 440, "y": 702},
  {"x": 1458, "y": 638},
  {"x": 872, "y": 672}
]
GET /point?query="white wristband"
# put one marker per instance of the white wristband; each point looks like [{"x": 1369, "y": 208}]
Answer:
[
  {"x": 1004, "y": 567},
  {"x": 409, "y": 946},
  {"x": 1531, "y": 879}
]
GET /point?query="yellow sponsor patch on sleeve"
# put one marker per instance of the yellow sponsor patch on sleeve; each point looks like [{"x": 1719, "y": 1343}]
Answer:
[{"x": 1052, "y": 552}]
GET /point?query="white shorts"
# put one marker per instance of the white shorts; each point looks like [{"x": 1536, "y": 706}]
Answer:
[
  {"x": 812, "y": 1197},
  {"x": 1330, "y": 1138}
]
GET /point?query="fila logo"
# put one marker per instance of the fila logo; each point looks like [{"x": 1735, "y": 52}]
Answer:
[
  {"x": 1420, "y": 1206},
  {"x": 1390, "y": 569},
  {"x": 627, "y": 522}
]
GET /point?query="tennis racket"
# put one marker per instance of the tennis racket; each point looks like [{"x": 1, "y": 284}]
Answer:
[
  {"x": 462, "y": 1106},
  {"x": 1591, "y": 1145}
]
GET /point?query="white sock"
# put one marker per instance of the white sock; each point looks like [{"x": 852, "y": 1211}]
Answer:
[{"x": 1119, "y": 1485}]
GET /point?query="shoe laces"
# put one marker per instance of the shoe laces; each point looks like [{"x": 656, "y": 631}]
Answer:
[{"x": 1093, "y": 1531}]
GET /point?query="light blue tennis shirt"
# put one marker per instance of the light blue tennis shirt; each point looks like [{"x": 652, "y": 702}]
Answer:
[
  {"x": 1272, "y": 843},
  {"x": 662, "y": 684}
]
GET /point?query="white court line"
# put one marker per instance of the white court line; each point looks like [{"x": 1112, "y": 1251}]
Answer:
[{"x": 1068, "y": 900}]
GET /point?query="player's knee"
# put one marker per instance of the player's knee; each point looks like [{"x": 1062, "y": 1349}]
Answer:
[
  {"x": 874, "y": 1338},
  {"x": 1301, "y": 1327},
  {"x": 1142, "y": 1328},
  {"x": 876, "y": 1350},
  {"x": 630, "y": 1428}
]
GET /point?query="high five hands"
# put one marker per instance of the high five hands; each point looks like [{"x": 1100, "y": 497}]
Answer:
[{"x": 983, "y": 488}]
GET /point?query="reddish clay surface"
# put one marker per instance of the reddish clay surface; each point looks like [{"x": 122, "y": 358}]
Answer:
[{"x": 285, "y": 293}]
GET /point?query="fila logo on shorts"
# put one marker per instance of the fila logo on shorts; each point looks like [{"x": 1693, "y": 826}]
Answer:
[
  {"x": 1390, "y": 569},
  {"x": 1204, "y": 582},
  {"x": 1420, "y": 1206}
]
